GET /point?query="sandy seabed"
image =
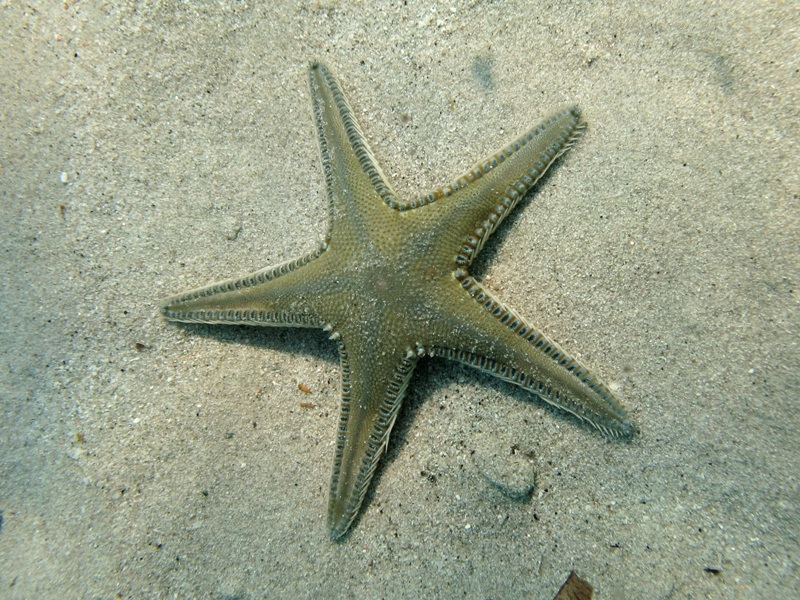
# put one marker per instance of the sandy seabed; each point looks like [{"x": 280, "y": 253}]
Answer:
[{"x": 149, "y": 148}]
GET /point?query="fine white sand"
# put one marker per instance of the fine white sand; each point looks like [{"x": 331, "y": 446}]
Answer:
[{"x": 148, "y": 149}]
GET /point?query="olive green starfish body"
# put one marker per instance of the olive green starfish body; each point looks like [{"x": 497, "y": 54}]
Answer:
[{"x": 390, "y": 282}]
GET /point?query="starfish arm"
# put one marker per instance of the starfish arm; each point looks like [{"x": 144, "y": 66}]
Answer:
[
  {"x": 353, "y": 179},
  {"x": 276, "y": 296},
  {"x": 479, "y": 200},
  {"x": 373, "y": 387},
  {"x": 493, "y": 338}
]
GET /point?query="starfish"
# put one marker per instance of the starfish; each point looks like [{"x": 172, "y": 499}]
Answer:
[{"x": 390, "y": 282}]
